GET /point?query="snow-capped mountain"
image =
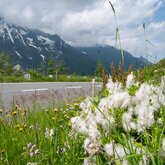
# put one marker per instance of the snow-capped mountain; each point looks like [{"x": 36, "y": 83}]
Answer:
[{"x": 29, "y": 48}]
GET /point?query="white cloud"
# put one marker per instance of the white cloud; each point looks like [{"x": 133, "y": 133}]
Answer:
[{"x": 91, "y": 22}]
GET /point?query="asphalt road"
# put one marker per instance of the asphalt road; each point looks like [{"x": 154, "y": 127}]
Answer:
[{"x": 27, "y": 93}]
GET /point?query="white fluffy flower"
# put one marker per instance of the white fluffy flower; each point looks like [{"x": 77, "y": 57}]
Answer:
[
  {"x": 94, "y": 133},
  {"x": 145, "y": 117},
  {"x": 120, "y": 100},
  {"x": 89, "y": 161},
  {"x": 79, "y": 125},
  {"x": 114, "y": 87},
  {"x": 130, "y": 80},
  {"x": 116, "y": 150},
  {"x": 127, "y": 122},
  {"x": 92, "y": 146}
]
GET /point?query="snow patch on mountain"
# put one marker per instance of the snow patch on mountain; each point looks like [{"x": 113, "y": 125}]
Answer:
[
  {"x": 30, "y": 40},
  {"x": 84, "y": 52},
  {"x": 43, "y": 57},
  {"x": 18, "y": 54},
  {"x": 9, "y": 32},
  {"x": 34, "y": 46},
  {"x": 46, "y": 41},
  {"x": 22, "y": 31},
  {"x": 21, "y": 38}
]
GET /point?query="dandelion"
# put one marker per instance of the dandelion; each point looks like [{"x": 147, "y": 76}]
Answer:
[
  {"x": 55, "y": 110},
  {"x": 20, "y": 109},
  {"x": 53, "y": 118},
  {"x": 69, "y": 123},
  {"x": 14, "y": 113},
  {"x": 20, "y": 129},
  {"x": 17, "y": 126}
]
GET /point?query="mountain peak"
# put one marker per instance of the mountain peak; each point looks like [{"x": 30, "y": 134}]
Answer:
[{"x": 31, "y": 47}]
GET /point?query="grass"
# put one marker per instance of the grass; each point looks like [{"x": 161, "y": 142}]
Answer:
[
  {"x": 61, "y": 78},
  {"x": 34, "y": 134},
  {"x": 23, "y": 128}
]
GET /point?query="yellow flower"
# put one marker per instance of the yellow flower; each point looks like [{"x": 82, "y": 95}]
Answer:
[
  {"x": 19, "y": 108},
  {"x": 20, "y": 129},
  {"x": 16, "y": 106},
  {"x": 23, "y": 114},
  {"x": 69, "y": 123},
  {"x": 17, "y": 126},
  {"x": 53, "y": 118},
  {"x": 14, "y": 113},
  {"x": 75, "y": 105},
  {"x": 55, "y": 110},
  {"x": 25, "y": 125},
  {"x": 65, "y": 115}
]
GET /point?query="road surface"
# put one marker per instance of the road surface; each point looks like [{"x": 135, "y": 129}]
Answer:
[{"x": 27, "y": 93}]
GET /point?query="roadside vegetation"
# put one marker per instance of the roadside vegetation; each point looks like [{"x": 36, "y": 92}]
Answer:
[
  {"x": 124, "y": 124},
  {"x": 52, "y": 72}
]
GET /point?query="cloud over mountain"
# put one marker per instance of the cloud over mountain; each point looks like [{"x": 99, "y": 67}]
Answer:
[{"x": 90, "y": 22}]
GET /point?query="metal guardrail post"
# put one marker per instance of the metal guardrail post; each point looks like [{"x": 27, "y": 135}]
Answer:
[{"x": 93, "y": 87}]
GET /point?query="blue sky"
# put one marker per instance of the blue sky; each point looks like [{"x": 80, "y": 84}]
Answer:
[
  {"x": 160, "y": 13},
  {"x": 91, "y": 22}
]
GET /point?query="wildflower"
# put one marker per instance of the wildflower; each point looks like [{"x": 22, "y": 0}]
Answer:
[
  {"x": 93, "y": 132},
  {"x": 49, "y": 133},
  {"x": 75, "y": 105},
  {"x": 29, "y": 145},
  {"x": 115, "y": 150},
  {"x": 127, "y": 121},
  {"x": 20, "y": 109},
  {"x": 53, "y": 118},
  {"x": 55, "y": 110},
  {"x": 14, "y": 113},
  {"x": 36, "y": 151},
  {"x": 25, "y": 125},
  {"x": 89, "y": 161},
  {"x": 92, "y": 146},
  {"x": 32, "y": 163},
  {"x": 79, "y": 125},
  {"x": 160, "y": 121},
  {"x": 23, "y": 114},
  {"x": 20, "y": 129},
  {"x": 130, "y": 80},
  {"x": 16, "y": 106},
  {"x": 69, "y": 123},
  {"x": 17, "y": 126}
]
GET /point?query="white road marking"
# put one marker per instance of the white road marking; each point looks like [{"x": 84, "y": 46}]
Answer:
[
  {"x": 33, "y": 90},
  {"x": 74, "y": 87}
]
